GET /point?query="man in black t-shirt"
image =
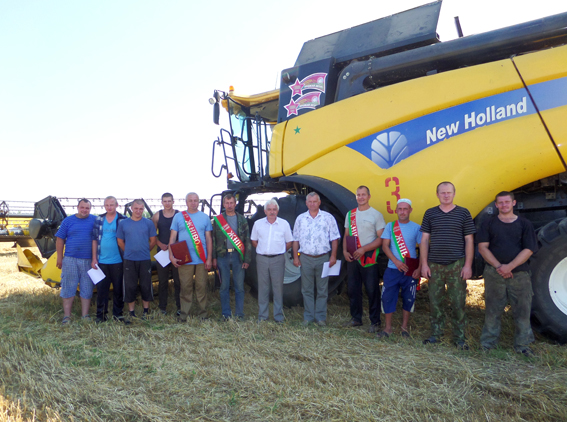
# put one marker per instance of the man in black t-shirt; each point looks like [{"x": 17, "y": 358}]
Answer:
[
  {"x": 162, "y": 220},
  {"x": 447, "y": 250},
  {"x": 506, "y": 242}
]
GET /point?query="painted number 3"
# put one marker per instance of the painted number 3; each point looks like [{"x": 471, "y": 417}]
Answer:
[{"x": 396, "y": 192}]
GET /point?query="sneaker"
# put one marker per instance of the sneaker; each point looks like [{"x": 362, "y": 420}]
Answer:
[
  {"x": 461, "y": 345},
  {"x": 178, "y": 313},
  {"x": 374, "y": 328},
  {"x": 99, "y": 320},
  {"x": 306, "y": 323},
  {"x": 163, "y": 311},
  {"x": 145, "y": 316},
  {"x": 352, "y": 323},
  {"x": 66, "y": 320},
  {"x": 405, "y": 334},
  {"x": 430, "y": 340},
  {"x": 279, "y": 322},
  {"x": 485, "y": 349},
  {"x": 322, "y": 323},
  {"x": 122, "y": 320}
]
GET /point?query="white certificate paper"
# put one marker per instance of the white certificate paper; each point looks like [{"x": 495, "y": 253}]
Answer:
[
  {"x": 334, "y": 270},
  {"x": 96, "y": 275},
  {"x": 163, "y": 258}
]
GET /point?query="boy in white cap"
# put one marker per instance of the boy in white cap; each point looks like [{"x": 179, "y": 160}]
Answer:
[{"x": 399, "y": 241}]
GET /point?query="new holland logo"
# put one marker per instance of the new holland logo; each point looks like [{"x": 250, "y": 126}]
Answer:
[{"x": 389, "y": 148}]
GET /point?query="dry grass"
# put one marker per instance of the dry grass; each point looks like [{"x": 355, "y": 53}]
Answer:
[{"x": 243, "y": 371}]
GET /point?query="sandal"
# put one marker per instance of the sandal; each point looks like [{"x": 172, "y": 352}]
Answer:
[
  {"x": 382, "y": 334},
  {"x": 405, "y": 334},
  {"x": 66, "y": 320}
]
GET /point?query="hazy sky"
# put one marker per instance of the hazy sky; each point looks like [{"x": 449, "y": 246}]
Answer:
[{"x": 110, "y": 97}]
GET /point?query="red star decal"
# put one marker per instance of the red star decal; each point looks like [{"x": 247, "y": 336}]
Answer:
[{"x": 296, "y": 88}]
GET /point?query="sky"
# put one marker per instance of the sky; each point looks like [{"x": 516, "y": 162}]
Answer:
[{"x": 110, "y": 97}]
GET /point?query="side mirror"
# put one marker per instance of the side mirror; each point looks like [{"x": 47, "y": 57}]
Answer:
[{"x": 216, "y": 113}]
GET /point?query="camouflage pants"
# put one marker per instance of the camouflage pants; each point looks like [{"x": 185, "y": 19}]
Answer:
[
  {"x": 498, "y": 292},
  {"x": 457, "y": 293}
]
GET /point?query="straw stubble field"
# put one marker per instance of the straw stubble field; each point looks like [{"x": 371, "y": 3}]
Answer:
[{"x": 244, "y": 371}]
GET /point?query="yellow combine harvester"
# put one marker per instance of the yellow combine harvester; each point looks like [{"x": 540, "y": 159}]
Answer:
[{"x": 386, "y": 104}]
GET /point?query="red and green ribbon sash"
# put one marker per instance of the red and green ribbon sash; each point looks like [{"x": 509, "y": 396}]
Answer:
[
  {"x": 401, "y": 246},
  {"x": 230, "y": 234},
  {"x": 353, "y": 231},
  {"x": 194, "y": 234},
  {"x": 399, "y": 241}
]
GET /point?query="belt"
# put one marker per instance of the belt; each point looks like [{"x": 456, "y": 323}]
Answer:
[
  {"x": 314, "y": 256},
  {"x": 271, "y": 256}
]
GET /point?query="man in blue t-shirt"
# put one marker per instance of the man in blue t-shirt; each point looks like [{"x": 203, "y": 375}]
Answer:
[
  {"x": 200, "y": 245},
  {"x": 399, "y": 241},
  {"x": 136, "y": 237},
  {"x": 108, "y": 257},
  {"x": 74, "y": 236}
]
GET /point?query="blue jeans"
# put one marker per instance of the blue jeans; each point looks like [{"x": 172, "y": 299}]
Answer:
[{"x": 231, "y": 259}]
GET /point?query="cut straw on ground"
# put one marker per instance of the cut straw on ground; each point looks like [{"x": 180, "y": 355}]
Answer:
[{"x": 161, "y": 370}]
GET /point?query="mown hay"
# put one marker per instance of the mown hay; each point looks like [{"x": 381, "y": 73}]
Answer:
[{"x": 160, "y": 370}]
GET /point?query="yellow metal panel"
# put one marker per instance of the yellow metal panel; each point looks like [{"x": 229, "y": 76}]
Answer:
[
  {"x": 252, "y": 100},
  {"x": 543, "y": 65},
  {"x": 276, "y": 150},
  {"x": 556, "y": 121},
  {"x": 50, "y": 273},
  {"x": 28, "y": 262},
  {"x": 480, "y": 163},
  {"x": 326, "y": 129},
  {"x": 548, "y": 66}
]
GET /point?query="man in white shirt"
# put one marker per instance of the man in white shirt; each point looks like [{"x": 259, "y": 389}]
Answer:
[
  {"x": 271, "y": 236},
  {"x": 315, "y": 234}
]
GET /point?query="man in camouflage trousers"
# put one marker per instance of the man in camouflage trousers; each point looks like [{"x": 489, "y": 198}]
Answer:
[
  {"x": 447, "y": 250},
  {"x": 506, "y": 242}
]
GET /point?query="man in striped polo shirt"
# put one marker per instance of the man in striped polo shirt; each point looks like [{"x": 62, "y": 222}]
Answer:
[{"x": 447, "y": 250}]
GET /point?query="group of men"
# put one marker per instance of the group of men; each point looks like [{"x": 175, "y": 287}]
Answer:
[{"x": 121, "y": 247}]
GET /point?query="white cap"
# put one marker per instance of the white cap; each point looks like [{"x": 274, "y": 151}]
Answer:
[{"x": 404, "y": 200}]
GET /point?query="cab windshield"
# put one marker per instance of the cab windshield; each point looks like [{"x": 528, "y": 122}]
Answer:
[{"x": 250, "y": 142}]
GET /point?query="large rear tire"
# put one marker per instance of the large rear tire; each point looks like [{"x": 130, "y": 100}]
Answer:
[
  {"x": 290, "y": 207},
  {"x": 549, "y": 280}
]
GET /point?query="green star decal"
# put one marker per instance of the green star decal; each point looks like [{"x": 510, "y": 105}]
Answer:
[{"x": 297, "y": 129}]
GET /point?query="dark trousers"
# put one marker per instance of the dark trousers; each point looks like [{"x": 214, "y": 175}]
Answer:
[
  {"x": 114, "y": 275},
  {"x": 163, "y": 276},
  {"x": 370, "y": 276}
]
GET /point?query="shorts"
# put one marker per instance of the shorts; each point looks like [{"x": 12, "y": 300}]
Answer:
[
  {"x": 135, "y": 271},
  {"x": 73, "y": 274},
  {"x": 394, "y": 280}
]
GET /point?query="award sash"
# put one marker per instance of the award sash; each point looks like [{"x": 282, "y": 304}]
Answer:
[
  {"x": 401, "y": 247},
  {"x": 194, "y": 234},
  {"x": 369, "y": 258},
  {"x": 230, "y": 234},
  {"x": 399, "y": 241}
]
